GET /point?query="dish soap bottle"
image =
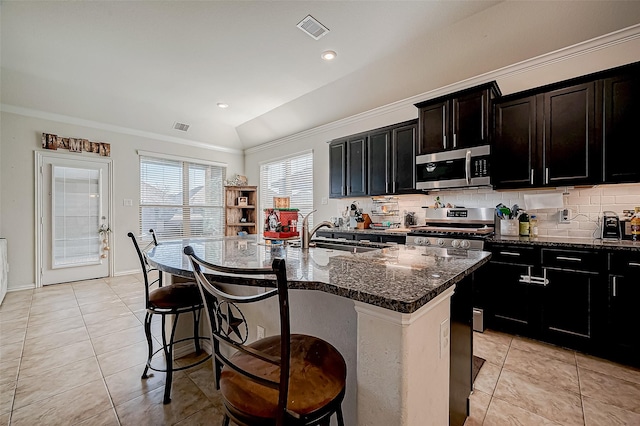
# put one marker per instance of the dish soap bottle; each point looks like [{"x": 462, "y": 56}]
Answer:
[
  {"x": 533, "y": 226},
  {"x": 524, "y": 224},
  {"x": 635, "y": 225}
]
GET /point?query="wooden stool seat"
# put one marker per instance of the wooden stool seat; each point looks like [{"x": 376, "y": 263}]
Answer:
[
  {"x": 175, "y": 296},
  {"x": 317, "y": 376}
]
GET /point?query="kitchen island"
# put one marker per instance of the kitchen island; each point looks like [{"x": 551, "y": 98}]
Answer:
[{"x": 395, "y": 300}]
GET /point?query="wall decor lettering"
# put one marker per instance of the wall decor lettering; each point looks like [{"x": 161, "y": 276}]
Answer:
[{"x": 50, "y": 141}]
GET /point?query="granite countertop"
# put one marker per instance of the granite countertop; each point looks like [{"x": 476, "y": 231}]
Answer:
[
  {"x": 400, "y": 278},
  {"x": 570, "y": 242}
]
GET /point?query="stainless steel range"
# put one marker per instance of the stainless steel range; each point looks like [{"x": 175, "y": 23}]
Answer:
[{"x": 458, "y": 228}]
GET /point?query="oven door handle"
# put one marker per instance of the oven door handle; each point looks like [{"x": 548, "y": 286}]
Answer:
[{"x": 468, "y": 167}]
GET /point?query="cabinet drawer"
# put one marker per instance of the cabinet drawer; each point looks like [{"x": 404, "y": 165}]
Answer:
[
  {"x": 517, "y": 255},
  {"x": 573, "y": 260},
  {"x": 624, "y": 263}
]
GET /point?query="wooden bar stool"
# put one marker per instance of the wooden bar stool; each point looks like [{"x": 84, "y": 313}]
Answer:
[
  {"x": 289, "y": 379},
  {"x": 165, "y": 300}
]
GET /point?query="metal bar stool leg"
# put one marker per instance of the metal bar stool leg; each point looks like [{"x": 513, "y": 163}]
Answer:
[
  {"x": 168, "y": 353},
  {"x": 339, "y": 415},
  {"x": 196, "y": 329},
  {"x": 147, "y": 332}
]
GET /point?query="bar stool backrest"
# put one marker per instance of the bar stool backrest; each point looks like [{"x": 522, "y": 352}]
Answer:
[{"x": 219, "y": 303}]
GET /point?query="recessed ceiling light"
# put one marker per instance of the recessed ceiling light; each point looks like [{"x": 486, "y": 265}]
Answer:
[
  {"x": 328, "y": 55},
  {"x": 223, "y": 105}
]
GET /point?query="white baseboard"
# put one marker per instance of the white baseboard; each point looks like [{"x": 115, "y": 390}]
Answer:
[
  {"x": 123, "y": 273},
  {"x": 22, "y": 287}
]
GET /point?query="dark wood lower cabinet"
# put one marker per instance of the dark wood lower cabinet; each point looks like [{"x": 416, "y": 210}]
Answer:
[{"x": 623, "y": 327}]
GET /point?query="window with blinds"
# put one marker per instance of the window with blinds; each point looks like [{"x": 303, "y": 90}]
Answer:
[
  {"x": 181, "y": 199},
  {"x": 288, "y": 177}
]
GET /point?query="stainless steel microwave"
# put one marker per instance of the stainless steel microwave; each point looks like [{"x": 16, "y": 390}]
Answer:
[{"x": 461, "y": 168}]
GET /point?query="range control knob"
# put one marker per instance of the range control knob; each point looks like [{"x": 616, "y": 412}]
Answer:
[
  {"x": 427, "y": 242},
  {"x": 419, "y": 241},
  {"x": 455, "y": 243},
  {"x": 465, "y": 244},
  {"x": 440, "y": 242}
]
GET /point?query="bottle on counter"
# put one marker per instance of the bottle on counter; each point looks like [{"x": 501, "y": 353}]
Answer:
[
  {"x": 524, "y": 224},
  {"x": 533, "y": 226},
  {"x": 635, "y": 225}
]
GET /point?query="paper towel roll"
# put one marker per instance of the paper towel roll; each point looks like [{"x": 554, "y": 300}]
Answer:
[{"x": 543, "y": 201}]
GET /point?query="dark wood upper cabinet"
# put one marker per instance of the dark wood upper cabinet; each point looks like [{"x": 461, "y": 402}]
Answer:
[
  {"x": 621, "y": 112},
  {"x": 570, "y": 155},
  {"x": 546, "y": 139},
  {"x": 457, "y": 121},
  {"x": 380, "y": 162},
  {"x": 515, "y": 143},
  {"x": 403, "y": 148},
  {"x": 357, "y": 166},
  {"x": 337, "y": 169},
  {"x": 379, "y": 154}
]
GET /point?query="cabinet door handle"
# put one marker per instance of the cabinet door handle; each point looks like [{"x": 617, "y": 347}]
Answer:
[
  {"x": 508, "y": 253},
  {"x": 546, "y": 175},
  {"x": 634, "y": 264},
  {"x": 570, "y": 259},
  {"x": 614, "y": 287},
  {"x": 531, "y": 177},
  {"x": 455, "y": 140},
  {"x": 444, "y": 141}
]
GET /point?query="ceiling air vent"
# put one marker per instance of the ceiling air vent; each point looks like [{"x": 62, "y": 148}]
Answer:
[
  {"x": 180, "y": 126},
  {"x": 312, "y": 27}
]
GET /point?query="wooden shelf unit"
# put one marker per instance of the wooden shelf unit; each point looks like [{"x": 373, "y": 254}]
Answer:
[{"x": 234, "y": 212}]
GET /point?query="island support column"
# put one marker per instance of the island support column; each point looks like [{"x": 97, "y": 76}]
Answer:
[{"x": 403, "y": 364}]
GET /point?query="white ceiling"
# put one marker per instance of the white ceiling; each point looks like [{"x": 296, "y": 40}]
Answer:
[{"x": 146, "y": 64}]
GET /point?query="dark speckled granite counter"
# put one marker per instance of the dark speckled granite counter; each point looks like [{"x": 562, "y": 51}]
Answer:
[
  {"x": 578, "y": 243},
  {"x": 401, "y": 279}
]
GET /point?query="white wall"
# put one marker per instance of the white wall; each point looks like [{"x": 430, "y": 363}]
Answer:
[{"x": 20, "y": 137}]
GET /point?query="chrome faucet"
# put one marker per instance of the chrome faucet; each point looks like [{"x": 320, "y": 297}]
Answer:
[{"x": 306, "y": 234}]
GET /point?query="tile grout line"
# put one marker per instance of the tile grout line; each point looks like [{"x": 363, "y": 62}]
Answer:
[
  {"x": 584, "y": 414},
  {"x": 24, "y": 341}
]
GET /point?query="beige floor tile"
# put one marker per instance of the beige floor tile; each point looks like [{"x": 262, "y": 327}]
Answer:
[
  {"x": 105, "y": 418},
  {"x": 7, "y": 391},
  {"x": 41, "y": 330},
  {"x": 540, "y": 398},
  {"x": 70, "y": 407},
  {"x": 92, "y": 299},
  {"x": 53, "y": 316},
  {"x": 600, "y": 365},
  {"x": 87, "y": 284},
  {"x": 135, "y": 303},
  {"x": 478, "y": 405},
  {"x": 53, "y": 341},
  {"x": 105, "y": 305},
  {"x": 123, "y": 279},
  {"x": 21, "y": 313},
  {"x": 610, "y": 390},
  {"x": 11, "y": 351},
  {"x": 123, "y": 358},
  {"x": 17, "y": 306},
  {"x": 490, "y": 347},
  {"x": 186, "y": 399},
  {"x": 209, "y": 416},
  {"x": 52, "y": 382},
  {"x": 15, "y": 297},
  {"x": 503, "y": 413},
  {"x": 487, "y": 378},
  {"x": 52, "y": 307},
  {"x": 550, "y": 370},
  {"x": 545, "y": 349},
  {"x": 12, "y": 336},
  {"x": 9, "y": 370},
  {"x": 53, "y": 299},
  {"x": 4, "y": 418},
  {"x": 204, "y": 378},
  {"x": 13, "y": 324},
  {"x": 127, "y": 384},
  {"x": 64, "y": 356},
  {"x": 118, "y": 339},
  {"x": 106, "y": 316},
  {"x": 598, "y": 413},
  {"x": 121, "y": 323},
  {"x": 495, "y": 336}
]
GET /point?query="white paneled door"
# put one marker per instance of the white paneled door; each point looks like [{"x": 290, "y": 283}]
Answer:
[{"x": 74, "y": 207}]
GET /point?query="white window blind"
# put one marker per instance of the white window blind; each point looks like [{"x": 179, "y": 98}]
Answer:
[
  {"x": 181, "y": 199},
  {"x": 288, "y": 177}
]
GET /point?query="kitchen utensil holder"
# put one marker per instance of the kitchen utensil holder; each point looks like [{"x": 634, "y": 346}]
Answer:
[{"x": 509, "y": 227}]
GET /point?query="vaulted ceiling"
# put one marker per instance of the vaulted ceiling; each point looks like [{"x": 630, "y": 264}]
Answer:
[{"x": 145, "y": 65}]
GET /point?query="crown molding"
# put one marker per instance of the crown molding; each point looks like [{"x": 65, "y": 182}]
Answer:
[
  {"x": 29, "y": 112},
  {"x": 603, "y": 42}
]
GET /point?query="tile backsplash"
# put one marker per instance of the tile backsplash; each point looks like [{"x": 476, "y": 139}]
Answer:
[{"x": 586, "y": 205}]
